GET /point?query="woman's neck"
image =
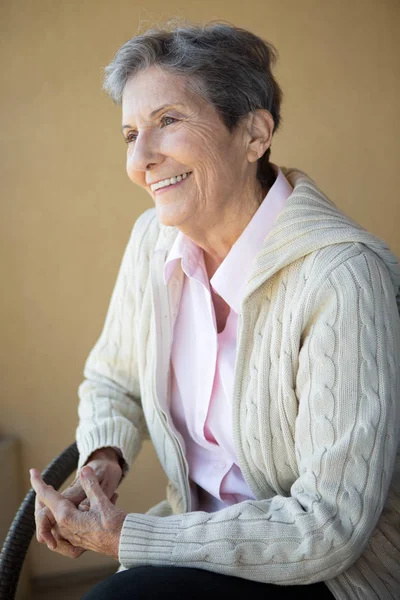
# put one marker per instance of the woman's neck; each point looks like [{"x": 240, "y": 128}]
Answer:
[{"x": 218, "y": 234}]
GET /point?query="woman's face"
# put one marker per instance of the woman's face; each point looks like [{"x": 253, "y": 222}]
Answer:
[{"x": 172, "y": 132}]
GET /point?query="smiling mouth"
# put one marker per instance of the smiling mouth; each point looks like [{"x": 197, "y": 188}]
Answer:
[{"x": 170, "y": 182}]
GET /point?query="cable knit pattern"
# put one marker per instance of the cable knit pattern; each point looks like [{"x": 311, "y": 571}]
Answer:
[{"x": 316, "y": 415}]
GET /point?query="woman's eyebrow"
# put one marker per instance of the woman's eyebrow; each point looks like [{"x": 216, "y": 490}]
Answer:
[{"x": 154, "y": 113}]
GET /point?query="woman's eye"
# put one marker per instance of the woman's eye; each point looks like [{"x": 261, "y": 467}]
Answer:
[
  {"x": 167, "y": 120},
  {"x": 131, "y": 137}
]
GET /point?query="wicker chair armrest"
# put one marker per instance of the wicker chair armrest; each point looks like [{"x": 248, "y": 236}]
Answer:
[{"x": 22, "y": 528}]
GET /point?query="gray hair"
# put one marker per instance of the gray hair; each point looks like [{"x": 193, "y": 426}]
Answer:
[{"x": 226, "y": 65}]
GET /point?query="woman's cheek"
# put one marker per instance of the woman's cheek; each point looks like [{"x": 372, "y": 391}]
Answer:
[
  {"x": 179, "y": 147},
  {"x": 134, "y": 175}
]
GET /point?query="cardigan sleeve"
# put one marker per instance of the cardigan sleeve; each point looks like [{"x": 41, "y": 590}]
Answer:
[
  {"x": 110, "y": 412},
  {"x": 347, "y": 430}
]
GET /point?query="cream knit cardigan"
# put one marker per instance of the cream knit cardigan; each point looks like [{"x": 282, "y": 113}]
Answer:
[{"x": 316, "y": 406}]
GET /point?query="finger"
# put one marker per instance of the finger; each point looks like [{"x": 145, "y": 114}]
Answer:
[
  {"x": 92, "y": 487},
  {"x": 75, "y": 493},
  {"x": 84, "y": 505},
  {"x": 44, "y": 523},
  {"x": 47, "y": 494},
  {"x": 107, "y": 487},
  {"x": 104, "y": 480},
  {"x": 64, "y": 547},
  {"x": 38, "y": 504},
  {"x": 38, "y": 508},
  {"x": 108, "y": 475}
]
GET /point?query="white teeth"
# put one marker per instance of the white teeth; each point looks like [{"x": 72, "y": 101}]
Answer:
[{"x": 167, "y": 182}]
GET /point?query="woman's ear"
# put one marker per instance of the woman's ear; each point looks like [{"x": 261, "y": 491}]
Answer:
[{"x": 260, "y": 129}]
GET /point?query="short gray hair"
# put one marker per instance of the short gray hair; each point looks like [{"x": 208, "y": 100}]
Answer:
[{"x": 226, "y": 65}]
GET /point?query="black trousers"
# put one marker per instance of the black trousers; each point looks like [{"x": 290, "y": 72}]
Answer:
[{"x": 181, "y": 583}]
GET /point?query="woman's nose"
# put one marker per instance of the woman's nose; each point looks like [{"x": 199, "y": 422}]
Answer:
[{"x": 144, "y": 153}]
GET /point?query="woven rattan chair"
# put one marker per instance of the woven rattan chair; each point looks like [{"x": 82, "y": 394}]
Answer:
[{"x": 23, "y": 527}]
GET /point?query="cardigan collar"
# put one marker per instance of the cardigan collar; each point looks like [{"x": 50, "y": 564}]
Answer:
[{"x": 309, "y": 222}]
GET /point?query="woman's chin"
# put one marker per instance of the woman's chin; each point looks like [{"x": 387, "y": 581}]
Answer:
[{"x": 168, "y": 215}]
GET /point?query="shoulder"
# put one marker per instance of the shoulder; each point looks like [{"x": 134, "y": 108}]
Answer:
[
  {"x": 353, "y": 280},
  {"x": 341, "y": 278},
  {"x": 354, "y": 257}
]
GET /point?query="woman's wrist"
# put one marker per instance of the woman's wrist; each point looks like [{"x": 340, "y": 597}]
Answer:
[
  {"x": 116, "y": 537},
  {"x": 109, "y": 453}
]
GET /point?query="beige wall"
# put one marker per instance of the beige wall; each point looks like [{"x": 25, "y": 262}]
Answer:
[{"x": 67, "y": 206}]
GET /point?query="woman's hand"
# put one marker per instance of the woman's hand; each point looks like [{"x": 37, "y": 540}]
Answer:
[
  {"x": 96, "y": 527},
  {"x": 106, "y": 467}
]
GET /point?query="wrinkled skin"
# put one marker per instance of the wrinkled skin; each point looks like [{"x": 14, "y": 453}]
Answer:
[
  {"x": 105, "y": 465},
  {"x": 213, "y": 205},
  {"x": 97, "y": 528}
]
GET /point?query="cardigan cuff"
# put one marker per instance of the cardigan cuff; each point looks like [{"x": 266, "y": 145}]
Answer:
[
  {"x": 147, "y": 540},
  {"x": 119, "y": 435}
]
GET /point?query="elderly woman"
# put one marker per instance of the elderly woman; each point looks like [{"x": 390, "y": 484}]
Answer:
[{"x": 253, "y": 334}]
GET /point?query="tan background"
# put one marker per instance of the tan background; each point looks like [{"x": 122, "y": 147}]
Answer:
[{"x": 67, "y": 207}]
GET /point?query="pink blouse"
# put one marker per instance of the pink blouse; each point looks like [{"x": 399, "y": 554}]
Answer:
[{"x": 203, "y": 361}]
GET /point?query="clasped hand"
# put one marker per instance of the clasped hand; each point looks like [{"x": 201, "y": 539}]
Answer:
[{"x": 94, "y": 526}]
